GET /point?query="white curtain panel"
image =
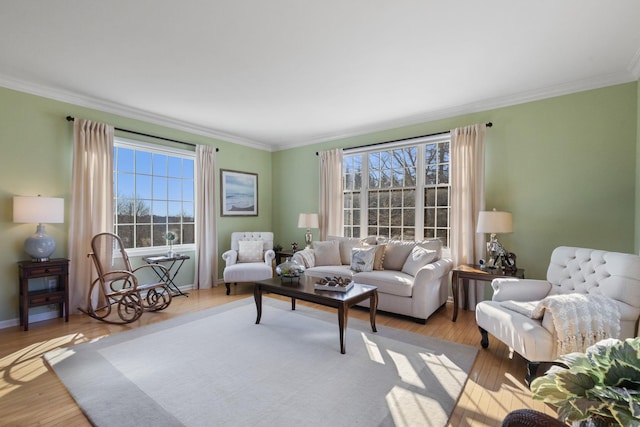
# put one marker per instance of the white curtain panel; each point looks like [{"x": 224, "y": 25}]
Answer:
[
  {"x": 331, "y": 197},
  {"x": 467, "y": 188},
  {"x": 91, "y": 202},
  {"x": 206, "y": 235}
]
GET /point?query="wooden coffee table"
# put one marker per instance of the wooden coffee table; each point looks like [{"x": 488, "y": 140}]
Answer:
[{"x": 303, "y": 289}]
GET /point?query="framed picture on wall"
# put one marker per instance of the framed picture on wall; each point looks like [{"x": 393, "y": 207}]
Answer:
[{"x": 238, "y": 193}]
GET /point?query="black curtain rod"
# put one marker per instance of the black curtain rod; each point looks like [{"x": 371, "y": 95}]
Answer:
[
  {"x": 70, "y": 119},
  {"x": 489, "y": 124}
]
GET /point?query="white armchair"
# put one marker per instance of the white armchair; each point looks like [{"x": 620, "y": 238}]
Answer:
[
  {"x": 513, "y": 314},
  {"x": 249, "y": 259}
]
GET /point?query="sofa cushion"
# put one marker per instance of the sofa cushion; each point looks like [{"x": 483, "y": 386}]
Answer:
[
  {"x": 330, "y": 271},
  {"x": 250, "y": 250},
  {"x": 388, "y": 282},
  {"x": 418, "y": 258},
  {"x": 362, "y": 258},
  {"x": 396, "y": 254},
  {"x": 327, "y": 252}
]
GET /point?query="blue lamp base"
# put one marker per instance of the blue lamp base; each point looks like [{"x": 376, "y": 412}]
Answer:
[{"x": 40, "y": 246}]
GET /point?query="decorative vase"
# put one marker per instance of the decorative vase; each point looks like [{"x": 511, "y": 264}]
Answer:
[{"x": 289, "y": 268}]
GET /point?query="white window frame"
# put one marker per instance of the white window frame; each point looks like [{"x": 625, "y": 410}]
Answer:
[
  {"x": 420, "y": 143},
  {"x": 169, "y": 151}
]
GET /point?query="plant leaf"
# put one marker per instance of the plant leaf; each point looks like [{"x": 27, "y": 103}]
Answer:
[{"x": 574, "y": 383}]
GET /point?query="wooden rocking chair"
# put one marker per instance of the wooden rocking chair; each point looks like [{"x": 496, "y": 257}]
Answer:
[{"x": 117, "y": 287}]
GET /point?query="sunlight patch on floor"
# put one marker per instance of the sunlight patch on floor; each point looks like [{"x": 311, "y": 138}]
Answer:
[
  {"x": 409, "y": 408},
  {"x": 373, "y": 349},
  {"x": 27, "y": 364}
]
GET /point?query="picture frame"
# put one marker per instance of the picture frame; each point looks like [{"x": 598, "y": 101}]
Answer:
[{"x": 238, "y": 193}]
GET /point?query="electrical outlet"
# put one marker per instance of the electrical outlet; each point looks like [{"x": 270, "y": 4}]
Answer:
[{"x": 52, "y": 284}]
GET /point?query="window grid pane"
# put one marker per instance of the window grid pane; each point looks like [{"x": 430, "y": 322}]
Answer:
[
  {"x": 391, "y": 178},
  {"x": 153, "y": 194}
]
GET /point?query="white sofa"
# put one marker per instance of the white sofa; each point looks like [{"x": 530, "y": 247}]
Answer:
[
  {"x": 417, "y": 292},
  {"x": 508, "y": 316}
]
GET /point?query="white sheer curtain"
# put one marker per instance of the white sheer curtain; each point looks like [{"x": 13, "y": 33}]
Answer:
[
  {"x": 331, "y": 197},
  {"x": 467, "y": 187},
  {"x": 91, "y": 201},
  {"x": 206, "y": 237}
]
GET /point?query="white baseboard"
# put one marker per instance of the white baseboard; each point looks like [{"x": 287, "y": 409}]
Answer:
[{"x": 52, "y": 314}]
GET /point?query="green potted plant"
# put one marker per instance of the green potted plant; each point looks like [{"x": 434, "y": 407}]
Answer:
[{"x": 598, "y": 387}]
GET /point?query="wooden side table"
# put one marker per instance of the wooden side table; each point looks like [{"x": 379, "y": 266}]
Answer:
[
  {"x": 172, "y": 270},
  {"x": 464, "y": 273},
  {"x": 58, "y": 268}
]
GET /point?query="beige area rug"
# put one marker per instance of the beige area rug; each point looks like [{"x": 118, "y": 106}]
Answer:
[{"x": 218, "y": 368}]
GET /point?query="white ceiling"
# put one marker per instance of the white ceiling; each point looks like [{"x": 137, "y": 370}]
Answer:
[{"x": 281, "y": 73}]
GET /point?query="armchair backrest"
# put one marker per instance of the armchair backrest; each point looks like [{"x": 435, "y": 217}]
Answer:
[
  {"x": 613, "y": 274},
  {"x": 265, "y": 236}
]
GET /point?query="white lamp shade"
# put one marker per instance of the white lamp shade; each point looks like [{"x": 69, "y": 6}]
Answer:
[
  {"x": 308, "y": 220},
  {"x": 38, "y": 210},
  {"x": 494, "y": 222}
]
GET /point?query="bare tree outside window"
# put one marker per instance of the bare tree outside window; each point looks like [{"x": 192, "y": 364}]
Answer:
[
  {"x": 154, "y": 195},
  {"x": 396, "y": 180}
]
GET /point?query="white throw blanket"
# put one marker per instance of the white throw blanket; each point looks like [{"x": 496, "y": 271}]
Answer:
[
  {"x": 580, "y": 320},
  {"x": 307, "y": 257}
]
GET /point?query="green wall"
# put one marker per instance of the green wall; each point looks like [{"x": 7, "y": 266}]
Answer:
[
  {"x": 564, "y": 166},
  {"x": 37, "y": 142}
]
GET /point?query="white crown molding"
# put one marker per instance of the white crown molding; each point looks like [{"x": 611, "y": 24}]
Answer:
[
  {"x": 476, "y": 107},
  {"x": 632, "y": 74},
  {"x": 634, "y": 65},
  {"x": 125, "y": 111}
]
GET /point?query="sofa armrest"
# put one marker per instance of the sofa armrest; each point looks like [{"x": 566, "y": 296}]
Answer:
[
  {"x": 433, "y": 271},
  {"x": 230, "y": 257},
  {"x": 519, "y": 289},
  {"x": 269, "y": 256}
]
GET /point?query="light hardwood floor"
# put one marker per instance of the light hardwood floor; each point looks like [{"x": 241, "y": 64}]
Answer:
[{"x": 31, "y": 395}]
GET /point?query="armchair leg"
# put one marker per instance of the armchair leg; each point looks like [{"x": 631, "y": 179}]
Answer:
[
  {"x": 532, "y": 368},
  {"x": 484, "y": 340},
  {"x": 228, "y": 285}
]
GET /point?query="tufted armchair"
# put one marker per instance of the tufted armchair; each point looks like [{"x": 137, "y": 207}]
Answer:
[
  {"x": 249, "y": 259},
  {"x": 571, "y": 271}
]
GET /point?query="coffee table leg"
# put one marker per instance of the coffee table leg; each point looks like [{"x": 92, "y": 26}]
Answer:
[
  {"x": 257, "y": 296},
  {"x": 373, "y": 308},
  {"x": 454, "y": 291},
  {"x": 343, "y": 312}
]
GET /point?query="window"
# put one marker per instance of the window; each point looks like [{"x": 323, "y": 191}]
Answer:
[
  {"x": 404, "y": 189},
  {"x": 153, "y": 194}
]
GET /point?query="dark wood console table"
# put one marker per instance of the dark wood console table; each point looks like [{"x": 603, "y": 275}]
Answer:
[{"x": 464, "y": 273}]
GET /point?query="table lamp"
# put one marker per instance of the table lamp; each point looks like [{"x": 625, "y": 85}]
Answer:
[
  {"x": 38, "y": 210},
  {"x": 494, "y": 222},
  {"x": 308, "y": 221}
]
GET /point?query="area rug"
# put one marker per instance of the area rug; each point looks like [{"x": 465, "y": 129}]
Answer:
[{"x": 218, "y": 368}]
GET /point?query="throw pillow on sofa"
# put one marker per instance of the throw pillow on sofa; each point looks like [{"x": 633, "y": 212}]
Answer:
[
  {"x": 327, "y": 252},
  {"x": 345, "y": 246},
  {"x": 396, "y": 254},
  {"x": 418, "y": 258},
  {"x": 362, "y": 258},
  {"x": 250, "y": 250},
  {"x": 379, "y": 258}
]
